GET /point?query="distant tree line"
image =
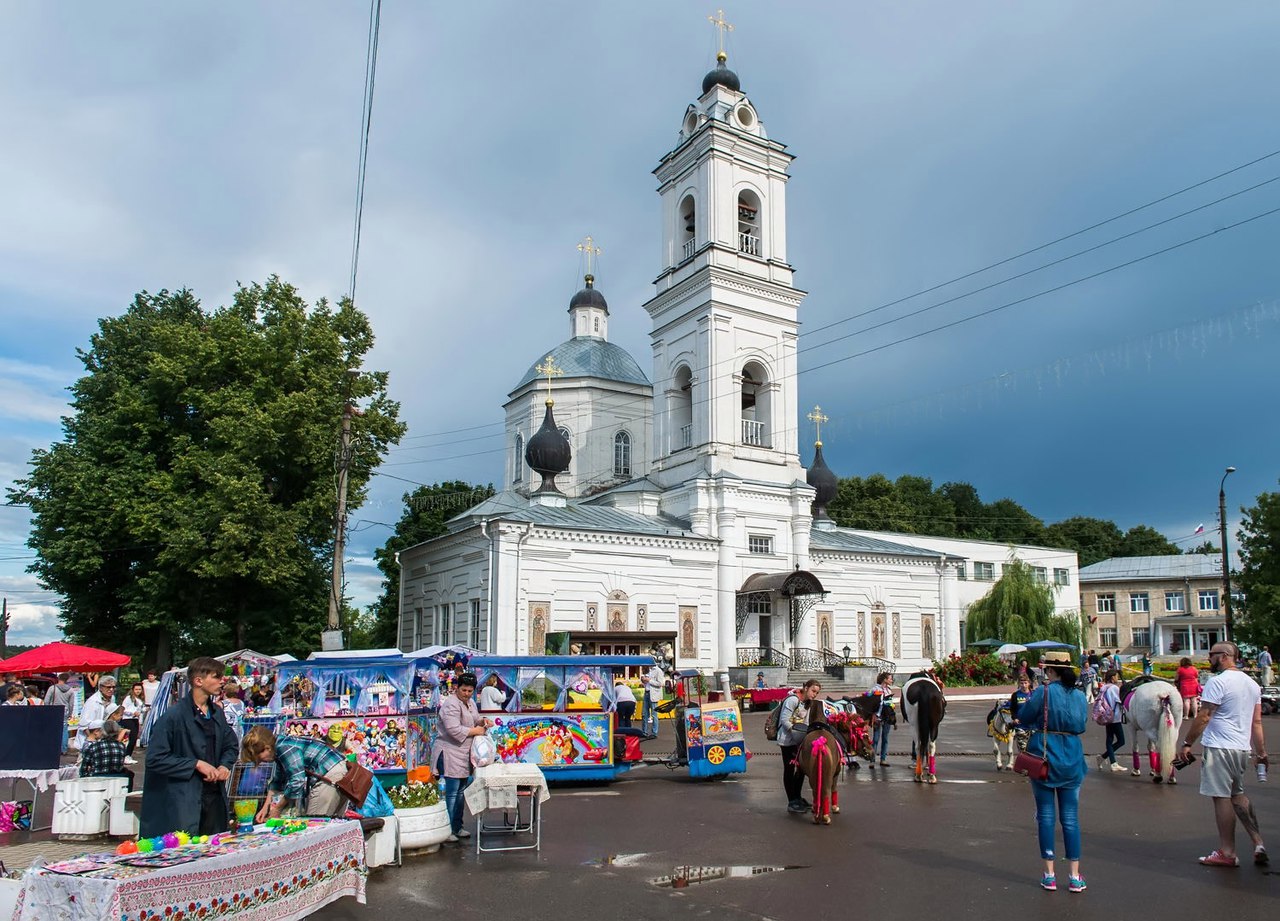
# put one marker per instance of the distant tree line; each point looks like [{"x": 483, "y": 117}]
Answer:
[{"x": 913, "y": 505}]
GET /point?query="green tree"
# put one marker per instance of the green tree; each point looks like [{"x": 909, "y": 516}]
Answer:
[
  {"x": 970, "y": 514},
  {"x": 1141, "y": 540},
  {"x": 1207, "y": 547},
  {"x": 189, "y": 505},
  {"x": 1093, "y": 539},
  {"x": 871, "y": 503},
  {"x": 1018, "y": 609},
  {"x": 1006, "y": 520},
  {"x": 1258, "y": 621},
  {"x": 426, "y": 514},
  {"x": 932, "y": 512}
]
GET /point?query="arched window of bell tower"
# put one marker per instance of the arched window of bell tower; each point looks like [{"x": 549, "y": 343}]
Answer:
[
  {"x": 688, "y": 228},
  {"x": 756, "y": 408},
  {"x": 749, "y": 223},
  {"x": 682, "y": 409}
]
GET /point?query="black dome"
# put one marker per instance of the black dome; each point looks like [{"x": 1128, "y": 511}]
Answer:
[
  {"x": 723, "y": 76},
  {"x": 589, "y": 297},
  {"x": 548, "y": 452},
  {"x": 824, "y": 482}
]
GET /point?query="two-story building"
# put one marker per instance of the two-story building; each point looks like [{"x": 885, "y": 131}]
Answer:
[{"x": 1164, "y": 605}]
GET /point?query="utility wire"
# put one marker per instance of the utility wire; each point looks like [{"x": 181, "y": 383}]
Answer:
[{"x": 366, "y": 120}]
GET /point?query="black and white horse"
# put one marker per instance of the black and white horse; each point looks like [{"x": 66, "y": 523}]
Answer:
[
  {"x": 1000, "y": 728},
  {"x": 924, "y": 706}
]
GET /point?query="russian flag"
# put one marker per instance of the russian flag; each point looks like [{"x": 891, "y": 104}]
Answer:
[{"x": 1199, "y": 530}]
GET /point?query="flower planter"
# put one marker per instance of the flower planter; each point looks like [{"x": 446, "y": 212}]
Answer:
[{"x": 423, "y": 828}]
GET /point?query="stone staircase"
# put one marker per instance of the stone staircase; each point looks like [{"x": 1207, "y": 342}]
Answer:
[{"x": 831, "y": 687}]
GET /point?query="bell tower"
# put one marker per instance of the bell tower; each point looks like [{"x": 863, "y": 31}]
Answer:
[{"x": 725, "y": 309}]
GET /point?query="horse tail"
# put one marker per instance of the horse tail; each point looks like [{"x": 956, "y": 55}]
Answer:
[{"x": 1166, "y": 732}]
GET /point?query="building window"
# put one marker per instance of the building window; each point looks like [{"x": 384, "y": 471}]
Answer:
[
  {"x": 517, "y": 462},
  {"x": 759, "y": 603},
  {"x": 759, "y": 543},
  {"x": 1107, "y": 637},
  {"x": 1142, "y": 637},
  {"x": 984, "y": 572},
  {"x": 1106, "y": 602},
  {"x": 1139, "y": 602},
  {"x": 475, "y": 624},
  {"x": 1062, "y": 577},
  {"x": 596, "y": 327},
  {"x": 446, "y": 624},
  {"x": 1173, "y": 601},
  {"x": 1208, "y": 599},
  {"x": 622, "y": 454},
  {"x": 1040, "y": 574},
  {"x": 962, "y": 571}
]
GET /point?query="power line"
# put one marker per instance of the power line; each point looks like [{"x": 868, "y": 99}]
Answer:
[{"x": 366, "y": 120}]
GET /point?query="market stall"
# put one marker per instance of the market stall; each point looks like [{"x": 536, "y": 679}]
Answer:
[
  {"x": 366, "y": 697},
  {"x": 266, "y": 875}
]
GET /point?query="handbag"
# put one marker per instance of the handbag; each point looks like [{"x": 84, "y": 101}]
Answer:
[
  {"x": 1029, "y": 765},
  {"x": 354, "y": 784}
]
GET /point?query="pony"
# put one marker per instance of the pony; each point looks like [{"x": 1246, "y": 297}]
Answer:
[
  {"x": 1000, "y": 729},
  {"x": 831, "y": 740},
  {"x": 1155, "y": 709},
  {"x": 924, "y": 706}
]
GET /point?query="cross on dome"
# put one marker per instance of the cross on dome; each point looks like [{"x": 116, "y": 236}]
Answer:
[
  {"x": 588, "y": 247},
  {"x": 550, "y": 370},
  {"x": 721, "y": 26},
  {"x": 817, "y": 417}
]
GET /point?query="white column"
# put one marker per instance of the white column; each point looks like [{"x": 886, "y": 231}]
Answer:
[
  {"x": 726, "y": 597},
  {"x": 950, "y": 631}
]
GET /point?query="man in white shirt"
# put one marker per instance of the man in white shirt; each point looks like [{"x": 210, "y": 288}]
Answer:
[
  {"x": 98, "y": 707},
  {"x": 149, "y": 688},
  {"x": 1228, "y": 725},
  {"x": 652, "y": 697},
  {"x": 1264, "y": 665}
]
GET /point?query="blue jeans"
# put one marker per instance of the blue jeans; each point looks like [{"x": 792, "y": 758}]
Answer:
[
  {"x": 649, "y": 717},
  {"x": 453, "y": 787},
  {"x": 1115, "y": 740},
  {"x": 880, "y": 741},
  {"x": 1067, "y": 802}
]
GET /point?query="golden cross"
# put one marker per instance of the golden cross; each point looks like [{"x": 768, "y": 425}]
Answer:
[
  {"x": 817, "y": 417},
  {"x": 550, "y": 370},
  {"x": 588, "y": 246},
  {"x": 721, "y": 27}
]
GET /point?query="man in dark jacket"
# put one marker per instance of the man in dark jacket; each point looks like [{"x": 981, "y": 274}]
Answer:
[{"x": 191, "y": 751}]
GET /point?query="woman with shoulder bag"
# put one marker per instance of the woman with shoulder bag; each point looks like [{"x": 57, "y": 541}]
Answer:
[
  {"x": 1056, "y": 715},
  {"x": 459, "y": 723}
]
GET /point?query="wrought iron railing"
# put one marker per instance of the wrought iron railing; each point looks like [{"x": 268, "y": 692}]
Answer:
[
  {"x": 763, "y": 655},
  {"x": 811, "y": 660}
]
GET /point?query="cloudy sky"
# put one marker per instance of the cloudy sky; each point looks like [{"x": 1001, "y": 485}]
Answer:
[{"x": 157, "y": 145}]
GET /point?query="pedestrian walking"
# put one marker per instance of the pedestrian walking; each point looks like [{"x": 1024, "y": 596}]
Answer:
[
  {"x": 1265, "y": 666},
  {"x": 1056, "y": 715},
  {"x": 1088, "y": 680},
  {"x": 132, "y": 709},
  {"x": 459, "y": 722},
  {"x": 793, "y": 723},
  {"x": 62, "y": 695},
  {"x": 1228, "y": 726},
  {"x": 1110, "y": 693}
]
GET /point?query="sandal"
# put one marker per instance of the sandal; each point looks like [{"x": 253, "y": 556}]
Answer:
[{"x": 1219, "y": 859}]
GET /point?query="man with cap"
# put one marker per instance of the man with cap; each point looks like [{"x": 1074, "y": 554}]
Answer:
[{"x": 98, "y": 707}]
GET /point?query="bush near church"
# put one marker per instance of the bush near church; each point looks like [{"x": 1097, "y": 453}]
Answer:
[{"x": 973, "y": 669}]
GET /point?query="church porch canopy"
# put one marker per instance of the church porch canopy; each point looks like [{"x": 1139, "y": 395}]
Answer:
[{"x": 800, "y": 587}]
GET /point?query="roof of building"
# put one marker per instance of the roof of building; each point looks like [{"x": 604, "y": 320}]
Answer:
[
  {"x": 590, "y": 356},
  {"x": 722, "y": 75},
  {"x": 841, "y": 539},
  {"x": 1135, "y": 568},
  {"x": 510, "y": 506}
]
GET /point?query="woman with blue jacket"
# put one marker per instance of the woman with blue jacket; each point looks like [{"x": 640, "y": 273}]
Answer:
[{"x": 1057, "y": 739}]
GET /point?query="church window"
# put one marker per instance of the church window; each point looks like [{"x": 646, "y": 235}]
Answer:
[
  {"x": 518, "y": 461},
  {"x": 688, "y": 223},
  {"x": 755, "y": 406},
  {"x": 681, "y": 403},
  {"x": 759, "y": 543},
  {"x": 596, "y": 327},
  {"x": 622, "y": 454},
  {"x": 749, "y": 223}
]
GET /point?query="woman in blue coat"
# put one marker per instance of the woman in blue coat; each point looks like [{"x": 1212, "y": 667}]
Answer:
[
  {"x": 1060, "y": 743},
  {"x": 189, "y": 759}
]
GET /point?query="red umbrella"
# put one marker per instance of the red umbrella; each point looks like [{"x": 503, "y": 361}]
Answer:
[{"x": 63, "y": 657}]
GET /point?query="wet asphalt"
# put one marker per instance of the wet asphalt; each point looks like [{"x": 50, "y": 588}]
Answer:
[{"x": 964, "y": 847}]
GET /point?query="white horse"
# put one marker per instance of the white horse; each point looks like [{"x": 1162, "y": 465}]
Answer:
[
  {"x": 1155, "y": 710},
  {"x": 1000, "y": 729}
]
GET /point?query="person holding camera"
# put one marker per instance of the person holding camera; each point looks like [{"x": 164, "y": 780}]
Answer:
[{"x": 1228, "y": 725}]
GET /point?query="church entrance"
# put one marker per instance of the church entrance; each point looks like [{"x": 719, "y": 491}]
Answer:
[{"x": 766, "y": 631}]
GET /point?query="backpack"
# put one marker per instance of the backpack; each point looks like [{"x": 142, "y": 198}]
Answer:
[
  {"x": 771, "y": 722},
  {"x": 1101, "y": 711}
]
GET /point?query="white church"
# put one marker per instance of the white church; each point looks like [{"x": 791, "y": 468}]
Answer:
[{"x": 674, "y": 511}]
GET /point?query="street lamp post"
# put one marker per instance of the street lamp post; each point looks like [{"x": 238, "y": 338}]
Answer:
[
  {"x": 1226, "y": 567},
  {"x": 846, "y": 652}
]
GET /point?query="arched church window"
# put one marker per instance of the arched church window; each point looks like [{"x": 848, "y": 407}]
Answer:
[
  {"x": 681, "y": 403},
  {"x": 749, "y": 223},
  {"x": 688, "y": 225},
  {"x": 622, "y": 454},
  {"x": 755, "y": 405},
  {"x": 597, "y": 325},
  {"x": 517, "y": 465}
]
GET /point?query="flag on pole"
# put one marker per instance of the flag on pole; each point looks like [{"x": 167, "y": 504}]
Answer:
[{"x": 1200, "y": 529}]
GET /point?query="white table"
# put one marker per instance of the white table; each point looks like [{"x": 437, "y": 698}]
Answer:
[{"x": 504, "y": 787}]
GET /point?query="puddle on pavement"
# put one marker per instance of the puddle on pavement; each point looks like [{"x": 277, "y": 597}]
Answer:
[
  {"x": 618, "y": 860},
  {"x": 682, "y": 877}
]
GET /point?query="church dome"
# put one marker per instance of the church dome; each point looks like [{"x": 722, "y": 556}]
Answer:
[
  {"x": 590, "y": 356},
  {"x": 589, "y": 297},
  {"x": 548, "y": 452},
  {"x": 824, "y": 482},
  {"x": 721, "y": 75}
]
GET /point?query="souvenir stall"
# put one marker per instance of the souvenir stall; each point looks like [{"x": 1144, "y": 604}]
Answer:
[{"x": 366, "y": 697}]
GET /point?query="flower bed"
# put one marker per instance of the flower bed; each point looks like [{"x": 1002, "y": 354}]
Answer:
[{"x": 971, "y": 670}]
